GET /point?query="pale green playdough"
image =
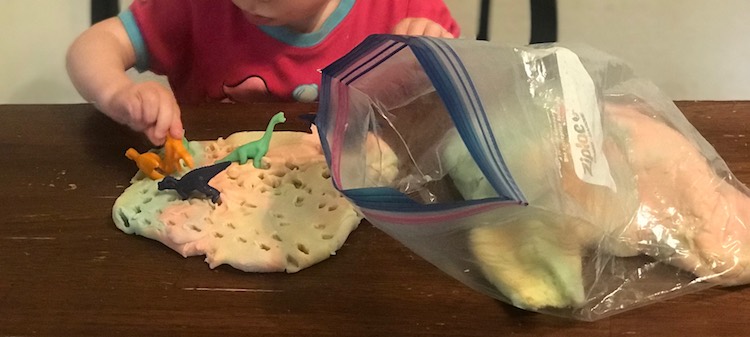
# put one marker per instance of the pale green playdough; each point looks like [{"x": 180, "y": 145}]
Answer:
[
  {"x": 535, "y": 259},
  {"x": 285, "y": 216},
  {"x": 668, "y": 204}
]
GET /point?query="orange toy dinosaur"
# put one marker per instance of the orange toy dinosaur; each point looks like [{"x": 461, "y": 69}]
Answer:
[
  {"x": 148, "y": 162},
  {"x": 174, "y": 150},
  {"x": 156, "y": 167}
]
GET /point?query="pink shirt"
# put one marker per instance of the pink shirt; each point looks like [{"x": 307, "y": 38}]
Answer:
[{"x": 210, "y": 52}]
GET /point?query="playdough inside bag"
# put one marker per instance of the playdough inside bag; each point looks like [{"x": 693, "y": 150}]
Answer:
[{"x": 547, "y": 177}]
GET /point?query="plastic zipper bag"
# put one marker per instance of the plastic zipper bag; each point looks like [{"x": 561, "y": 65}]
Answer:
[{"x": 548, "y": 177}]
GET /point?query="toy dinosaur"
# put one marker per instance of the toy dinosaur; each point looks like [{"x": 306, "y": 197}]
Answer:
[
  {"x": 174, "y": 150},
  {"x": 149, "y": 163},
  {"x": 195, "y": 181},
  {"x": 255, "y": 149}
]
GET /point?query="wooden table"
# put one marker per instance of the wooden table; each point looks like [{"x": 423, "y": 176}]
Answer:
[{"x": 66, "y": 270}]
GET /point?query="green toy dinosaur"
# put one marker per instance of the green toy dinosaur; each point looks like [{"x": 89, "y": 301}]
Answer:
[{"x": 255, "y": 149}]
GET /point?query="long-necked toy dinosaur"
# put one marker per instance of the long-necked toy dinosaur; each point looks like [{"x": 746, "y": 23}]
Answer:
[
  {"x": 255, "y": 149},
  {"x": 175, "y": 151}
]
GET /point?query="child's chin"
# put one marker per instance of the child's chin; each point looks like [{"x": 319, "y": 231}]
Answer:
[{"x": 260, "y": 20}]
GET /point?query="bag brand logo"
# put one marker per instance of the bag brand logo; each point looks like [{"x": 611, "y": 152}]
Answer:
[{"x": 587, "y": 152}]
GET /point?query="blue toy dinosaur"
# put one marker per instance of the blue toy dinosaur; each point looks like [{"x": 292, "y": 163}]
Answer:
[
  {"x": 255, "y": 149},
  {"x": 195, "y": 180}
]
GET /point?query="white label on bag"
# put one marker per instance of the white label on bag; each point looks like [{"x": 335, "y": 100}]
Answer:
[{"x": 583, "y": 120}]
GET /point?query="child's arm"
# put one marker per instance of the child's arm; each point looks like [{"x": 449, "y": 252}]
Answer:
[{"x": 96, "y": 63}]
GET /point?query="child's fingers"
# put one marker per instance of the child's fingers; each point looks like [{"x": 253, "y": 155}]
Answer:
[
  {"x": 401, "y": 27},
  {"x": 409, "y": 26},
  {"x": 153, "y": 110},
  {"x": 164, "y": 116},
  {"x": 150, "y": 106},
  {"x": 146, "y": 107},
  {"x": 416, "y": 27},
  {"x": 124, "y": 108},
  {"x": 150, "y": 134},
  {"x": 421, "y": 26},
  {"x": 135, "y": 111},
  {"x": 176, "y": 130},
  {"x": 436, "y": 30}
]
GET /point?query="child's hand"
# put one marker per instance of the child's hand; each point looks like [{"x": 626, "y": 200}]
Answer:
[
  {"x": 146, "y": 107},
  {"x": 421, "y": 26},
  {"x": 96, "y": 63}
]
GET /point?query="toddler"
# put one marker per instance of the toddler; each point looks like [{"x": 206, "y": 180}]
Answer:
[{"x": 229, "y": 50}]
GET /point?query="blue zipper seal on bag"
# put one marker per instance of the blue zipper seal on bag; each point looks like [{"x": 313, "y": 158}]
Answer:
[
  {"x": 453, "y": 84},
  {"x": 470, "y": 119}
]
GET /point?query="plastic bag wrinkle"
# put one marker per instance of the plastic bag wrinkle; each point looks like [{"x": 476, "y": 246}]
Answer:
[{"x": 671, "y": 222}]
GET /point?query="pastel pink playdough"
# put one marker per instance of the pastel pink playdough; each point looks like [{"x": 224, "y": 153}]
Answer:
[
  {"x": 285, "y": 215},
  {"x": 669, "y": 204}
]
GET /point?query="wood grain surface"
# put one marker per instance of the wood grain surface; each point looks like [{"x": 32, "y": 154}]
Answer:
[{"x": 66, "y": 270}]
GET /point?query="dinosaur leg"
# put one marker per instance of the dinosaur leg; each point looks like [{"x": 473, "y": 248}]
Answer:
[
  {"x": 211, "y": 192},
  {"x": 152, "y": 173},
  {"x": 258, "y": 159},
  {"x": 183, "y": 194}
]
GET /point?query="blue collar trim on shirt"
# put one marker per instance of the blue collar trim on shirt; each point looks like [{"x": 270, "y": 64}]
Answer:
[
  {"x": 290, "y": 37},
  {"x": 139, "y": 45}
]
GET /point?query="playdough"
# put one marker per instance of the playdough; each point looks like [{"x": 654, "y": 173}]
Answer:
[
  {"x": 668, "y": 204},
  {"x": 284, "y": 216}
]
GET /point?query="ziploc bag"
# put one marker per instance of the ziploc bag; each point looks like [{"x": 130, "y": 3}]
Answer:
[{"x": 551, "y": 178}]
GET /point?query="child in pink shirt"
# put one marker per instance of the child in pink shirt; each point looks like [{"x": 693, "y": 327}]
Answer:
[{"x": 222, "y": 50}]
